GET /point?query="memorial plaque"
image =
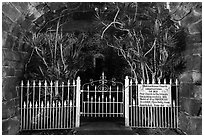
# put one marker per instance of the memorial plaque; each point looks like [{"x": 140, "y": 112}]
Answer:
[{"x": 154, "y": 95}]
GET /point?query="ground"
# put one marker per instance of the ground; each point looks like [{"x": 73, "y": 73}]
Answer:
[{"x": 104, "y": 126}]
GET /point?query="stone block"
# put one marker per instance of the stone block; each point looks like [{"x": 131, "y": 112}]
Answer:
[
  {"x": 197, "y": 77},
  {"x": 4, "y": 37},
  {"x": 12, "y": 125},
  {"x": 190, "y": 19},
  {"x": 195, "y": 27},
  {"x": 21, "y": 6},
  {"x": 198, "y": 8},
  {"x": 26, "y": 24},
  {"x": 185, "y": 90},
  {"x": 11, "y": 11},
  {"x": 5, "y": 125},
  {"x": 193, "y": 38},
  {"x": 190, "y": 125},
  {"x": 9, "y": 87},
  {"x": 11, "y": 55},
  {"x": 194, "y": 63},
  {"x": 9, "y": 109},
  {"x": 18, "y": 73},
  {"x": 197, "y": 92},
  {"x": 9, "y": 42},
  {"x": 193, "y": 49},
  {"x": 183, "y": 121},
  {"x": 15, "y": 45},
  {"x": 17, "y": 31},
  {"x": 186, "y": 77},
  {"x": 195, "y": 125},
  {"x": 14, "y": 64},
  {"x": 5, "y": 111},
  {"x": 190, "y": 106},
  {"x": 6, "y": 23},
  {"x": 7, "y": 71}
]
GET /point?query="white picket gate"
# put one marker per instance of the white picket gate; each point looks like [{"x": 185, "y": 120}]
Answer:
[
  {"x": 102, "y": 98},
  {"x": 59, "y": 105}
]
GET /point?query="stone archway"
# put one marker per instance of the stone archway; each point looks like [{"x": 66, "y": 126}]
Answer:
[{"x": 25, "y": 18}]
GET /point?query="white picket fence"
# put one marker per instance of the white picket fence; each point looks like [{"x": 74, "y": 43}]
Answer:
[
  {"x": 59, "y": 105},
  {"x": 50, "y": 105},
  {"x": 154, "y": 115}
]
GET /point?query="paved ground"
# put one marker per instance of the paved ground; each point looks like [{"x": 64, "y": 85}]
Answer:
[{"x": 103, "y": 127}]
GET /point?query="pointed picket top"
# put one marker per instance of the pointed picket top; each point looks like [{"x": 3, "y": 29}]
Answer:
[
  {"x": 74, "y": 82},
  {"x": 99, "y": 99},
  {"x": 33, "y": 83},
  {"x": 39, "y": 83},
  {"x": 113, "y": 99},
  {"x": 59, "y": 104},
  {"x": 65, "y": 103},
  {"x": 106, "y": 99},
  {"x": 62, "y": 84},
  {"x": 68, "y": 82},
  {"x": 174, "y": 104},
  {"x": 136, "y": 81},
  {"x": 170, "y": 81},
  {"x": 109, "y": 96},
  {"x": 53, "y": 104},
  {"x": 91, "y": 98},
  {"x": 130, "y": 82},
  {"x": 159, "y": 81},
  {"x": 153, "y": 81},
  {"x": 70, "y": 103},
  {"x": 42, "y": 105},
  {"x": 48, "y": 104},
  {"x": 117, "y": 88},
  {"x": 21, "y": 83},
  {"x": 30, "y": 104},
  {"x": 36, "y": 104},
  {"x": 51, "y": 83},
  {"x": 164, "y": 81},
  {"x": 142, "y": 82},
  {"x": 88, "y": 87},
  {"x": 24, "y": 104},
  {"x": 56, "y": 83},
  {"x": 95, "y": 87},
  {"x": 110, "y": 88},
  {"x": 133, "y": 102},
  {"x": 45, "y": 83},
  {"x": 147, "y": 81},
  {"x": 177, "y": 82},
  {"x": 28, "y": 83}
]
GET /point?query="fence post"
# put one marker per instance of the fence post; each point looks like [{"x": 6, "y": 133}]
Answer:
[
  {"x": 78, "y": 84},
  {"x": 126, "y": 101}
]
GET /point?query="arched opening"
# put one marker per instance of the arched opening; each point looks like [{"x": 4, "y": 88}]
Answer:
[{"x": 29, "y": 19}]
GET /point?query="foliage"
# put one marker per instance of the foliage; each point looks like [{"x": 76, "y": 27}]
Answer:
[
  {"x": 57, "y": 56},
  {"x": 146, "y": 36}
]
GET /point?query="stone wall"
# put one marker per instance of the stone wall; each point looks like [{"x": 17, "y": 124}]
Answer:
[
  {"x": 14, "y": 56},
  {"x": 19, "y": 19},
  {"x": 190, "y": 118},
  {"x": 22, "y": 18}
]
